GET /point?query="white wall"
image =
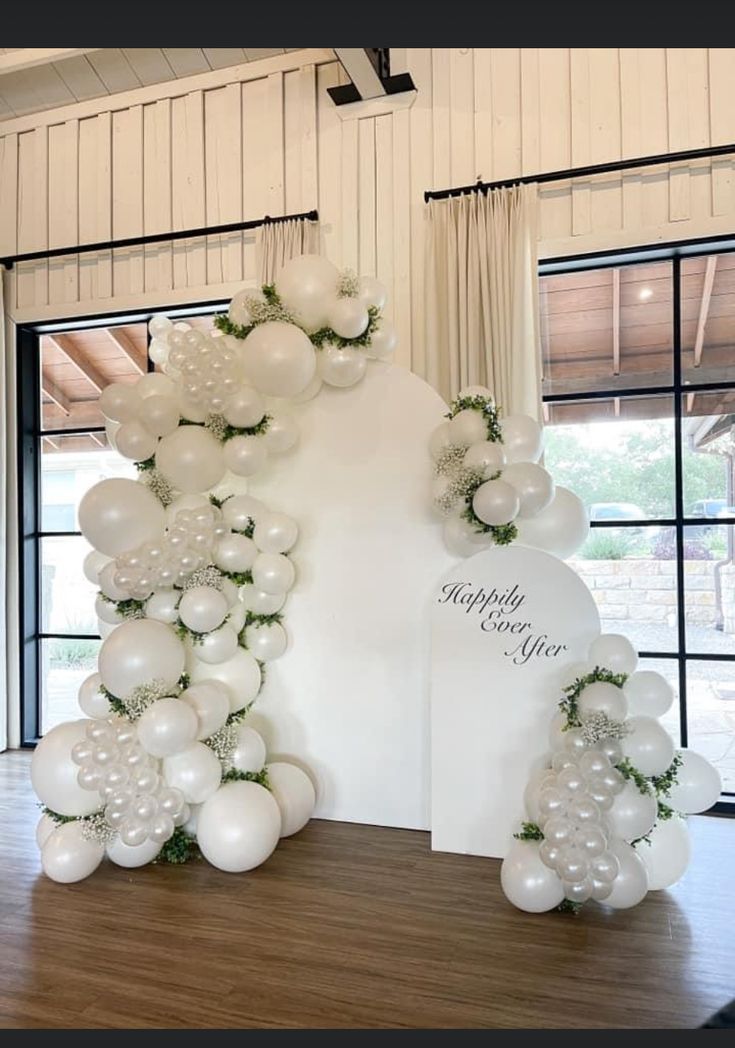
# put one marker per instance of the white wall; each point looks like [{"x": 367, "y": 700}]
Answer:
[{"x": 265, "y": 137}]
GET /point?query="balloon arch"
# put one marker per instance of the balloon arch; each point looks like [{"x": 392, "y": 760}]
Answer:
[{"x": 193, "y": 576}]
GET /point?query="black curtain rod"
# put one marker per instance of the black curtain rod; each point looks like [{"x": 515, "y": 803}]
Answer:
[
  {"x": 155, "y": 238},
  {"x": 585, "y": 172}
]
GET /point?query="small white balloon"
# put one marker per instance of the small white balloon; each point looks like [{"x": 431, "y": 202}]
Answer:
[
  {"x": 67, "y": 856},
  {"x": 614, "y": 652},
  {"x": 522, "y": 438},
  {"x": 131, "y": 858},
  {"x": 239, "y": 311},
  {"x": 196, "y": 771},
  {"x": 461, "y": 537},
  {"x": 249, "y": 752},
  {"x": 160, "y": 326},
  {"x": 631, "y": 884},
  {"x": 383, "y": 341},
  {"x": 341, "y": 367},
  {"x": 307, "y": 285},
  {"x": 241, "y": 510},
  {"x": 108, "y": 584},
  {"x": 666, "y": 853},
  {"x": 168, "y": 726},
  {"x": 347, "y": 317},
  {"x": 275, "y": 533},
  {"x": 476, "y": 391},
  {"x": 203, "y": 608},
  {"x": 279, "y": 359},
  {"x": 294, "y": 794},
  {"x": 647, "y": 745},
  {"x": 633, "y": 813},
  {"x": 245, "y": 455},
  {"x": 244, "y": 408},
  {"x": 487, "y": 456},
  {"x": 260, "y": 602},
  {"x": 163, "y": 606},
  {"x": 282, "y": 434},
  {"x": 93, "y": 564},
  {"x": 273, "y": 573},
  {"x": 240, "y": 674},
  {"x": 495, "y": 502},
  {"x": 210, "y": 701},
  {"x": 648, "y": 693},
  {"x": 155, "y": 384},
  {"x": 468, "y": 427},
  {"x": 698, "y": 784},
  {"x": 106, "y": 611},
  {"x": 235, "y": 553},
  {"x": 119, "y": 402},
  {"x": 93, "y": 702},
  {"x": 219, "y": 645},
  {"x": 159, "y": 414},
  {"x": 601, "y": 697},
  {"x": 527, "y": 882},
  {"x": 191, "y": 459},
  {"x": 371, "y": 293},
  {"x": 238, "y": 827},
  {"x": 266, "y": 641},
  {"x": 534, "y": 485}
]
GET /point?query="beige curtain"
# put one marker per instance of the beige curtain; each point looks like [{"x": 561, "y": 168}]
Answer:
[
  {"x": 482, "y": 297},
  {"x": 276, "y": 242}
]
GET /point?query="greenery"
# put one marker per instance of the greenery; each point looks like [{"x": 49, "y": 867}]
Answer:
[
  {"x": 128, "y": 609},
  {"x": 183, "y": 631},
  {"x": 147, "y": 464},
  {"x": 607, "y": 544},
  {"x": 261, "y": 777},
  {"x": 569, "y": 704},
  {"x": 663, "y": 783},
  {"x": 325, "y": 336},
  {"x": 529, "y": 832},
  {"x": 630, "y": 772},
  {"x": 178, "y": 849},
  {"x": 489, "y": 412},
  {"x": 73, "y": 653},
  {"x": 569, "y": 906}
]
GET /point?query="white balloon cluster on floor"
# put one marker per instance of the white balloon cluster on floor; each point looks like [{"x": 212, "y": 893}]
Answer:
[
  {"x": 606, "y": 808},
  {"x": 193, "y": 575},
  {"x": 489, "y": 485}
]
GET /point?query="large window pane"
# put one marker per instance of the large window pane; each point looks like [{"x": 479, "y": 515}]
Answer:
[
  {"x": 708, "y": 450},
  {"x": 708, "y": 318},
  {"x": 668, "y": 668},
  {"x": 64, "y": 665},
  {"x": 607, "y": 328},
  {"x": 709, "y": 588},
  {"x": 70, "y": 466},
  {"x": 617, "y": 455},
  {"x": 711, "y": 715},
  {"x": 67, "y": 598}
]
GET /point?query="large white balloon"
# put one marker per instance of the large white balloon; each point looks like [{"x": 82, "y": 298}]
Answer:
[
  {"x": 241, "y": 675},
  {"x": 698, "y": 784},
  {"x": 523, "y": 438},
  {"x": 238, "y": 827},
  {"x": 245, "y": 455},
  {"x": 138, "y": 652},
  {"x": 44, "y": 828},
  {"x": 647, "y": 745},
  {"x": 496, "y": 502},
  {"x": 210, "y": 701},
  {"x": 249, "y": 752},
  {"x": 461, "y": 537},
  {"x": 631, "y": 884},
  {"x": 527, "y": 882},
  {"x": 93, "y": 702},
  {"x": 382, "y": 341},
  {"x": 560, "y": 529},
  {"x": 633, "y": 813},
  {"x": 54, "y": 773},
  {"x": 614, "y": 652},
  {"x": 163, "y": 606},
  {"x": 191, "y": 459},
  {"x": 168, "y": 726},
  {"x": 666, "y": 853},
  {"x": 235, "y": 553},
  {"x": 347, "y": 317},
  {"x": 534, "y": 485},
  {"x": 67, "y": 856},
  {"x": 648, "y": 693},
  {"x": 307, "y": 286},
  {"x": 260, "y": 602},
  {"x": 123, "y": 855},
  {"x": 341, "y": 367},
  {"x": 294, "y": 794},
  {"x": 196, "y": 771},
  {"x": 282, "y": 434},
  {"x": 279, "y": 359},
  {"x": 119, "y": 514},
  {"x": 245, "y": 408},
  {"x": 371, "y": 292}
]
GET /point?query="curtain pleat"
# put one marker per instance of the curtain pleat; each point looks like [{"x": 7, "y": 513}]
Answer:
[
  {"x": 481, "y": 324},
  {"x": 277, "y": 242}
]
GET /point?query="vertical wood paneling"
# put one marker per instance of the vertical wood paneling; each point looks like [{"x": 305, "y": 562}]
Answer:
[
  {"x": 187, "y": 189},
  {"x": 32, "y": 279},
  {"x": 95, "y": 211},
  {"x": 462, "y": 120},
  {"x": 384, "y": 213},
  {"x": 530, "y": 108},
  {"x": 579, "y": 69},
  {"x": 401, "y": 236},
  {"x": 506, "y": 105},
  {"x": 127, "y": 198},
  {"x": 605, "y": 136},
  {"x": 274, "y": 144},
  {"x": 421, "y": 143},
  {"x": 722, "y": 125},
  {"x": 653, "y": 137},
  {"x": 255, "y": 192},
  {"x": 483, "y": 107},
  {"x": 223, "y": 180},
  {"x": 309, "y": 159},
  {"x": 157, "y": 213},
  {"x": 63, "y": 210},
  {"x": 366, "y": 197},
  {"x": 441, "y": 117},
  {"x": 630, "y": 132},
  {"x": 292, "y": 141},
  {"x": 556, "y": 149},
  {"x": 8, "y": 194},
  {"x": 349, "y": 212},
  {"x": 329, "y": 156},
  {"x": 677, "y": 84}
]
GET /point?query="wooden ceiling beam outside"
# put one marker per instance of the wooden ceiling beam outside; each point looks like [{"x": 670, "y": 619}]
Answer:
[
  {"x": 51, "y": 390},
  {"x": 125, "y": 344},
  {"x": 79, "y": 359}
]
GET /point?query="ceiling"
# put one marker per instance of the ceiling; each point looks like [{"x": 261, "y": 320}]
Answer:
[{"x": 29, "y": 85}]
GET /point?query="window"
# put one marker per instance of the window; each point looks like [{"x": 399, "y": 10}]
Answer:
[
  {"x": 639, "y": 400},
  {"x": 63, "y": 451}
]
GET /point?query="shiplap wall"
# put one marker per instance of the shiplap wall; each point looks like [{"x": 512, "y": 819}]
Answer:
[{"x": 266, "y": 138}]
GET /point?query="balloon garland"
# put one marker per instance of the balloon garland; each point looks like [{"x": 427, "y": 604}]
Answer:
[
  {"x": 193, "y": 574},
  {"x": 489, "y": 487},
  {"x": 606, "y": 809}
]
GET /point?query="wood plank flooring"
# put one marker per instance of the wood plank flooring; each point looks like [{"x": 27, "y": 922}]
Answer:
[{"x": 349, "y": 926}]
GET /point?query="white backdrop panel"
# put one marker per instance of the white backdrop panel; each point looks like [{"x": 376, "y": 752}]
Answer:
[{"x": 350, "y": 697}]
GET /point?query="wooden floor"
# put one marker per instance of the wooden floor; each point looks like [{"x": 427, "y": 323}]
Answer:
[{"x": 349, "y": 926}]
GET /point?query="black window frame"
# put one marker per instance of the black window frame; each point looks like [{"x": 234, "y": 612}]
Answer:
[{"x": 677, "y": 388}]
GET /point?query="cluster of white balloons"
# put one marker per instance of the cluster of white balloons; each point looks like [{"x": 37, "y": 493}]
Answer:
[
  {"x": 193, "y": 573},
  {"x": 488, "y": 476},
  {"x": 606, "y": 807}
]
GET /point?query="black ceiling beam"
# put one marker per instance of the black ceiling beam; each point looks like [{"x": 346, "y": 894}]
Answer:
[{"x": 369, "y": 71}]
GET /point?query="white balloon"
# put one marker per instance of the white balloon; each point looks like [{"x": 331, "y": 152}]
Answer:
[
  {"x": 261, "y": 603},
  {"x": 123, "y": 855},
  {"x": 383, "y": 340},
  {"x": 614, "y": 652},
  {"x": 138, "y": 652},
  {"x": 245, "y": 408},
  {"x": 487, "y": 456},
  {"x": 93, "y": 702},
  {"x": 240, "y": 510},
  {"x": 119, "y": 514},
  {"x": 294, "y": 794},
  {"x": 191, "y": 822},
  {"x": 245, "y": 456},
  {"x": 93, "y": 564},
  {"x": 560, "y": 529},
  {"x": 160, "y": 326},
  {"x": 250, "y": 752},
  {"x": 273, "y": 573},
  {"x": 477, "y": 391},
  {"x": 341, "y": 367},
  {"x": 106, "y": 612},
  {"x": 194, "y": 411},
  {"x": 282, "y": 434},
  {"x": 133, "y": 441},
  {"x": 108, "y": 585},
  {"x": 185, "y": 502},
  {"x": 67, "y": 856},
  {"x": 155, "y": 384},
  {"x": 347, "y": 317},
  {"x": 44, "y": 828},
  {"x": 266, "y": 641},
  {"x": 239, "y": 312},
  {"x": 54, "y": 773},
  {"x": 196, "y": 771},
  {"x": 210, "y": 701},
  {"x": 191, "y": 459},
  {"x": 534, "y": 485},
  {"x": 279, "y": 359},
  {"x": 238, "y": 827},
  {"x": 461, "y": 537},
  {"x": 631, "y": 884},
  {"x": 236, "y": 618},
  {"x": 159, "y": 414},
  {"x": 530, "y": 794},
  {"x": 163, "y": 606},
  {"x": 527, "y": 883},
  {"x": 633, "y": 813},
  {"x": 649, "y": 693},
  {"x": 309, "y": 392},
  {"x": 440, "y": 440},
  {"x": 666, "y": 853},
  {"x": 219, "y": 645},
  {"x": 601, "y": 697},
  {"x": 158, "y": 351},
  {"x": 203, "y": 608},
  {"x": 241, "y": 674},
  {"x": 235, "y": 553},
  {"x": 496, "y": 502},
  {"x": 307, "y": 286},
  {"x": 275, "y": 533},
  {"x": 647, "y": 745},
  {"x": 168, "y": 726},
  {"x": 119, "y": 402},
  {"x": 523, "y": 438},
  {"x": 468, "y": 427},
  {"x": 698, "y": 784},
  {"x": 370, "y": 292}
]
